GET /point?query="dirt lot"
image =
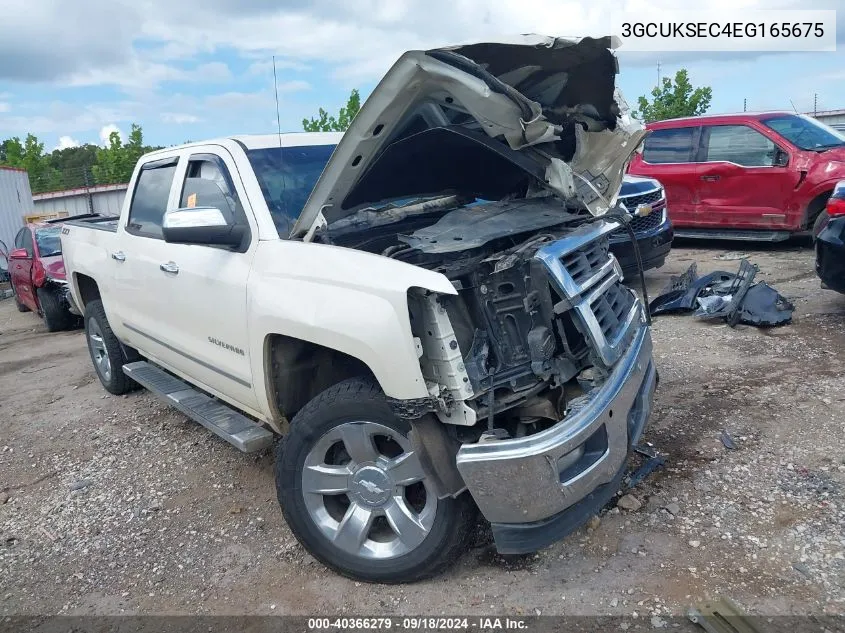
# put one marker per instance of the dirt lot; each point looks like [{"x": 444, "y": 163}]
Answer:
[{"x": 121, "y": 505}]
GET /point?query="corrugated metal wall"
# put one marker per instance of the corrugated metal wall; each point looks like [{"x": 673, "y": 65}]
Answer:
[
  {"x": 15, "y": 202},
  {"x": 835, "y": 120},
  {"x": 106, "y": 200}
]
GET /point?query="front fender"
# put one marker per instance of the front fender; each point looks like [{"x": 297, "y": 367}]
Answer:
[{"x": 347, "y": 300}]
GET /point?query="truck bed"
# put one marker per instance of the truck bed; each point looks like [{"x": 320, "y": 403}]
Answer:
[{"x": 100, "y": 223}]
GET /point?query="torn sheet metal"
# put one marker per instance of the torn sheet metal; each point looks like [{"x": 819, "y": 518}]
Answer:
[{"x": 733, "y": 297}]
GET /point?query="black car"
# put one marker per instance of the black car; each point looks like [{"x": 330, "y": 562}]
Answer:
[
  {"x": 830, "y": 241},
  {"x": 651, "y": 226}
]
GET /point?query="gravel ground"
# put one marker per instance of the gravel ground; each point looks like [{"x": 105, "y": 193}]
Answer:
[{"x": 119, "y": 505}]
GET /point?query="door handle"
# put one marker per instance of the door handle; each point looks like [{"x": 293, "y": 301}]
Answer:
[
  {"x": 170, "y": 267},
  {"x": 712, "y": 178},
  {"x": 118, "y": 256}
]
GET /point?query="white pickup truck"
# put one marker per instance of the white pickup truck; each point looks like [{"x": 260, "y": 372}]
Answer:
[{"x": 424, "y": 309}]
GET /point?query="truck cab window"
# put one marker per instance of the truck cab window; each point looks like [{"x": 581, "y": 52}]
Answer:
[
  {"x": 670, "y": 145},
  {"x": 149, "y": 201},
  {"x": 739, "y": 144},
  {"x": 206, "y": 170}
]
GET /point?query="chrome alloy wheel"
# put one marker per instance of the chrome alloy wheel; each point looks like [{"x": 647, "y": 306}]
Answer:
[
  {"x": 98, "y": 349},
  {"x": 365, "y": 490}
]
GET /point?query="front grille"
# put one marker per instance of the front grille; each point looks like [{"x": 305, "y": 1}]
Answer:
[
  {"x": 611, "y": 309},
  {"x": 632, "y": 202},
  {"x": 643, "y": 224},
  {"x": 646, "y": 223},
  {"x": 588, "y": 278},
  {"x": 584, "y": 263}
]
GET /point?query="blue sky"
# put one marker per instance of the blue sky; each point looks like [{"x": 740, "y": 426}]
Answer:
[{"x": 202, "y": 68}]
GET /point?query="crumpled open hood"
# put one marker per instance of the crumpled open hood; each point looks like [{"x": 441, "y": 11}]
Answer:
[{"x": 485, "y": 120}]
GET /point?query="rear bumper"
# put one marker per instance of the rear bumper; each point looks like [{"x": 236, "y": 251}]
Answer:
[
  {"x": 654, "y": 248},
  {"x": 535, "y": 490},
  {"x": 830, "y": 255}
]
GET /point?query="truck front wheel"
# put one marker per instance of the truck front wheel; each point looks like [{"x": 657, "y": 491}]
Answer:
[
  {"x": 354, "y": 492},
  {"x": 106, "y": 352}
]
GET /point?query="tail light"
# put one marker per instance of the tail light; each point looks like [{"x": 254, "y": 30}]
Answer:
[
  {"x": 39, "y": 275},
  {"x": 836, "y": 206}
]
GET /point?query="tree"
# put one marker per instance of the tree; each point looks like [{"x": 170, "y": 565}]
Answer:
[
  {"x": 324, "y": 122},
  {"x": 116, "y": 161},
  {"x": 672, "y": 100},
  {"x": 74, "y": 167}
]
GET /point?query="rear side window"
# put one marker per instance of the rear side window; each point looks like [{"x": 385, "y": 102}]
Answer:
[
  {"x": 149, "y": 201},
  {"x": 738, "y": 144},
  {"x": 672, "y": 145},
  {"x": 19, "y": 238}
]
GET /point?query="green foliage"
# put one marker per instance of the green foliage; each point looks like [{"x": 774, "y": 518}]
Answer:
[
  {"x": 675, "y": 99},
  {"x": 74, "y": 167},
  {"x": 116, "y": 161},
  {"x": 324, "y": 122}
]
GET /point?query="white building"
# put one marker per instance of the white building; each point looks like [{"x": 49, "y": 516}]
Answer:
[
  {"x": 15, "y": 203},
  {"x": 102, "y": 199},
  {"x": 833, "y": 118}
]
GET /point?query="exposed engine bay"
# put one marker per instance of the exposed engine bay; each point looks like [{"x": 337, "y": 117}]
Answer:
[{"x": 510, "y": 353}]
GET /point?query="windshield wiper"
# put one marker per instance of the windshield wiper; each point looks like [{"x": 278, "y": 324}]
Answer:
[{"x": 822, "y": 148}]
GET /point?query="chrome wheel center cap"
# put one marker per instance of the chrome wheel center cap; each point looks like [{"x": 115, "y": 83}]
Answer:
[{"x": 371, "y": 485}]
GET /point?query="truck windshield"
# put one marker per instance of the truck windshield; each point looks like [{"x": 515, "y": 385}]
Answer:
[
  {"x": 49, "y": 241},
  {"x": 287, "y": 176},
  {"x": 804, "y": 132}
]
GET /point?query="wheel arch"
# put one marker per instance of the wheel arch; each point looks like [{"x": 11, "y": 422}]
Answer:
[
  {"x": 296, "y": 371},
  {"x": 86, "y": 289},
  {"x": 816, "y": 206}
]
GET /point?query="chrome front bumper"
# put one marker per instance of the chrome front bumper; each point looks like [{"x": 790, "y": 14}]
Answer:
[{"x": 529, "y": 479}]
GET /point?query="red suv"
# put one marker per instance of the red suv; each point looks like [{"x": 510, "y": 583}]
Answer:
[{"x": 751, "y": 176}]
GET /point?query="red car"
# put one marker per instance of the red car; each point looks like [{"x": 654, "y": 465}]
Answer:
[
  {"x": 744, "y": 176},
  {"x": 37, "y": 273}
]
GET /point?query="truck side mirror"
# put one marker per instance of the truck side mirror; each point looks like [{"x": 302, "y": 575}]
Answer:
[
  {"x": 781, "y": 158},
  {"x": 201, "y": 225}
]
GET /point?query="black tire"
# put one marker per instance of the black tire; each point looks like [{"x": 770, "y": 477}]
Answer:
[
  {"x": 821, "y": 222},
  {"x": 21, "y": 307},
  {"x": 56, "y": 316},
  {"x": 359, "y": 400},
  {"x": 101, "y": 340}
]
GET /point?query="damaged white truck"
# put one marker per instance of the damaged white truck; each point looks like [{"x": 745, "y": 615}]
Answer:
[{"x": 424, "y": 309}]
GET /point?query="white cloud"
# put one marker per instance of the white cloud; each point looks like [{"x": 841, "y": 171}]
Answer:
[
  {"x": 179, "y": 118},
  {"x": 139, "y": 76},
  {"x": 357, "y": 39},
  {"x": 67, "y": 141},
  {"x": 265, "y": 67},
  {"x": 157, "y": 52},
  {"x": 106, "y": 132}
]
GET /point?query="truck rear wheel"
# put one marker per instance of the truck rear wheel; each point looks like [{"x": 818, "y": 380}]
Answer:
[
  {"x": 106, "y": 352},
  {"x": 56, "y": 316},
  {"x": 355, "y": 494}
]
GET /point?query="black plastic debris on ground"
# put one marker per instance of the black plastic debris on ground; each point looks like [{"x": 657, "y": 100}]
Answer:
[
  {"x": 653, "y": 461},
  {"x": 733, "y": 297}
]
